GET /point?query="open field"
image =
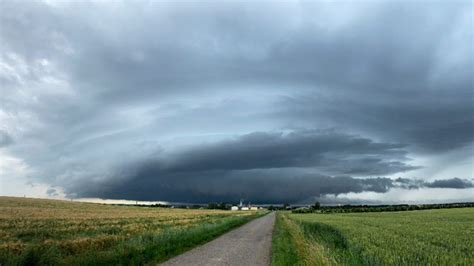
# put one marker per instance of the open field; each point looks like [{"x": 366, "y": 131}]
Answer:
[
  {"x": 60, "y": 232},
  {"x": 428, "y": 237}
]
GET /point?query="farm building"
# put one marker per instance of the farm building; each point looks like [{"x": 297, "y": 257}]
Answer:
[{"x": 243, "y": 207}]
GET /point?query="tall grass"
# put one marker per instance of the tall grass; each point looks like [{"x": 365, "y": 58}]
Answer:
[
  {"x": 283, "y": 251},
  {"x": 292, "y": 247}
]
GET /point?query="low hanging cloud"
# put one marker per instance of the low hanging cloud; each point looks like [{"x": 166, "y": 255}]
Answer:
[
  {"x": 255, "y": 186},
  {"x": 269, "y": 167},
  {"x": 258, "y": 186},
  {"x": 266, "y": 167},
  {"x": 455, "y": 182},
  {"x": 450, "y": 183}
]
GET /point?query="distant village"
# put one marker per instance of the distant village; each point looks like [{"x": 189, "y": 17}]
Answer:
[{"x": 242, "y": 207}]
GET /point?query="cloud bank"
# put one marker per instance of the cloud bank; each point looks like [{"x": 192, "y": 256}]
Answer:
[{"x": 267, "y": 168}]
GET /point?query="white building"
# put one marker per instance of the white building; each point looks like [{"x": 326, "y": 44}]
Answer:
[{"x": 242, "y": 207}]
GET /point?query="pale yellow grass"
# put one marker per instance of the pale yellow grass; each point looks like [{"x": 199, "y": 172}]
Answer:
[{"x": 78, "y": 225}]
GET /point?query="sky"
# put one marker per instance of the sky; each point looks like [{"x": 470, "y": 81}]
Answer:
[{"x": 361, "y": 102}]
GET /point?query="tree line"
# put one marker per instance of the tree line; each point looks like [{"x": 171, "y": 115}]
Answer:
[{"x": 317, "y": 208}]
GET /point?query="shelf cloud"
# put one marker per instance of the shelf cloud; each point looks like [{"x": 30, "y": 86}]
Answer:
[{"x": 221, "y": 100}]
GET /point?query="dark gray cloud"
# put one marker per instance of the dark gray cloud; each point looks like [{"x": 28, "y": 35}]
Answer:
[
  {"x": 266, "y": 167},
  {"x": 326, "y": 150},
  {"x": 230, "y": 186},
  {"x": 52, "y": 192},
  {"x": 455, "y": 182},
  {"x": 5, "y": 139},
  {"x": 88, "y": 86},
  {"x": 258, "y": 186},
  {"x": 450, "y": 183},
  {"x": 429, "y": 125}
]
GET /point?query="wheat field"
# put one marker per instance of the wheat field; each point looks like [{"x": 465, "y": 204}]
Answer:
[
  {"x": 62, "y": 232},
  {"x": 426, "y": 237}
]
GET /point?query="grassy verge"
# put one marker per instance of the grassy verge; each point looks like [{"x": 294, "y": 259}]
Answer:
[
  {"x": 283, "y": 251},
  {"x": 291, "y": 246},
  {"x": 337, "y": 249}
]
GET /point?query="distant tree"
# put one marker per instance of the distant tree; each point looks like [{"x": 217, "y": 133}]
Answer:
[
  {"x": 316, "y": 206},
  {"x": 223, "y": 206},
  {"x": 212, "y": 205}
]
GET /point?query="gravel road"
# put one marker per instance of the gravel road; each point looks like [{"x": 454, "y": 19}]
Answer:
[{"x": 249, "y": 244}]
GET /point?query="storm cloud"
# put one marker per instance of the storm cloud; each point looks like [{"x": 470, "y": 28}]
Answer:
[
  {"x": 214, "y": 100},
  {"x": 268, "y": 168},
  {"x": 451, "y": 183},
  {"x": 261, "y": 166},
  {"x": 330, "y": 151}
]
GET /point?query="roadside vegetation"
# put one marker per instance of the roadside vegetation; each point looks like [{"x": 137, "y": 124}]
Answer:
[
  {"x": 51, "y": 232},
  {"x": 428, "y": 237}
]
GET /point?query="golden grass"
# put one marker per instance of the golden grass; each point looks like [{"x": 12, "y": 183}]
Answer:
[{"x": 75, "y": 227}]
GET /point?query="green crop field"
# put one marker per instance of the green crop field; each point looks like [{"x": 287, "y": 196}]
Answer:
[
  {"x": 51, "y": 232},
  {"x": 428, "y": 237}
]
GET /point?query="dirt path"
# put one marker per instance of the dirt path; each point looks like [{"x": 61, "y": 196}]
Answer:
[{"x": 249, "y": 244}]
